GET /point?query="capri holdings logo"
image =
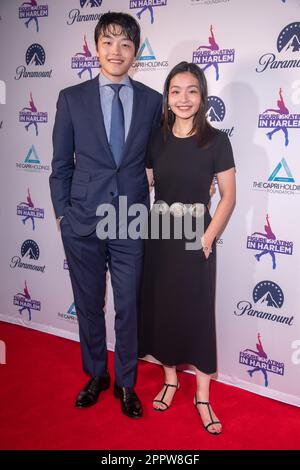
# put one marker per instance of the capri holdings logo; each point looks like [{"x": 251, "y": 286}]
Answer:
[{"x": 146, "y": 59}]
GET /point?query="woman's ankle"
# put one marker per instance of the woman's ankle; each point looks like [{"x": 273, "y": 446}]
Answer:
[{"x": 170, "y": 375}]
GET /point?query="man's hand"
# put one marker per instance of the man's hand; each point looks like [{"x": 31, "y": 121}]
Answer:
[{"x": 58, "y": 221}]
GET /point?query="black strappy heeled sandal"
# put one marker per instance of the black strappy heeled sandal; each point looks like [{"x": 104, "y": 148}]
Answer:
[
  {"x": 162, "y": 398},
  {"x": 196, "y": 402}
]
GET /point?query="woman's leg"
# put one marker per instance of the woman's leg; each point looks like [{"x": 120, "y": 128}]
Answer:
[
  {"x": 166, "y": 394},
  {"x": 202, "y": 395}
]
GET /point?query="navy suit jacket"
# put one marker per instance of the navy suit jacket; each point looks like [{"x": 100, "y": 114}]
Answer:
[{"x": 84, "y": 172}]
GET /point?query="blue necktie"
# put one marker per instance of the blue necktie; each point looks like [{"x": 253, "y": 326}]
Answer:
[{"x": 117, "y": 125}]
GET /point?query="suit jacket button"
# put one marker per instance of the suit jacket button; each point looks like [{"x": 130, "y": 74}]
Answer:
[{"x": 112, "y": 193}]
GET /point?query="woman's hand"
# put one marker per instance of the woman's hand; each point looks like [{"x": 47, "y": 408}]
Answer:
[
  {"x": 207, "y": 247},
  {"x": 150, "y": 178},
  {"x": 226, "y": 184}
]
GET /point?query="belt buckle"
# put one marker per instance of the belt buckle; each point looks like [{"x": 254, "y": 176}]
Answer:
[
  {"x": 161, "y": 207},
  {"x": 197, "y": 209},
  {"x": 178, "y": 209}
]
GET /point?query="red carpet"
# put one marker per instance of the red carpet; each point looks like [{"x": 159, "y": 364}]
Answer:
[{"x": 43, "y": 375}]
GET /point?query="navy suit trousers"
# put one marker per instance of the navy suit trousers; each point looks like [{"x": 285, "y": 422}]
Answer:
[{"x": 89, "y": 258}]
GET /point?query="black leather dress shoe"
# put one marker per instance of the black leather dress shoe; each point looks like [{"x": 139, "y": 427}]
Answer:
[
  {"x": 88, "y": 396},
  {"x": 130, "y": 403}
]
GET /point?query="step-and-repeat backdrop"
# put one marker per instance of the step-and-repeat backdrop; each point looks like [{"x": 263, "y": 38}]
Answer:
[{"x": 250, "y": 52}]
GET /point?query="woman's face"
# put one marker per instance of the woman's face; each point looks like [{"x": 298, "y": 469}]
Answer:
[{"x": 184, "y": 95}]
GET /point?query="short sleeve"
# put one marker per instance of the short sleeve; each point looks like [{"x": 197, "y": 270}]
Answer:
[
  {"x": 223, "y": 155},
  {"x": 152, "y": 143}
]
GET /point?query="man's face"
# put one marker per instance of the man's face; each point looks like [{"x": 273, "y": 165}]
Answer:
[{"x": 116, "y": 53}]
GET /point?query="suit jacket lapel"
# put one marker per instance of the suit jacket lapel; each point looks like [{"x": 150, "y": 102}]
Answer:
[
  {"x": 92, "y": 99},
  {"x": 138, "y": 110}
]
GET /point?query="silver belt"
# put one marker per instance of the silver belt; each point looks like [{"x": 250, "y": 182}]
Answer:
[{"x": 178, "y": 209}]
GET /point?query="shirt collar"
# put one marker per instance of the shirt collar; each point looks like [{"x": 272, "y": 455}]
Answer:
[{"x": 103, "y": 81}]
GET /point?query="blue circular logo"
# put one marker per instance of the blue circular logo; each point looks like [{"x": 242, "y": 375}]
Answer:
[
  {"x": 30, "y": 249},
  {"x": 35, "y": 55},
  {"x": 215, "y": 109},
  {"x": 269, "y": 294},
  {"x": 289, "y": 38}
]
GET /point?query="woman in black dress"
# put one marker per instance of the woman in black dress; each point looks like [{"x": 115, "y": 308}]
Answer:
[{"x": 177, "y": 323}]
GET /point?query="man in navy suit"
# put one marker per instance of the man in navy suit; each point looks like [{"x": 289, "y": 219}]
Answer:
[{"x": 100, "y": 136}]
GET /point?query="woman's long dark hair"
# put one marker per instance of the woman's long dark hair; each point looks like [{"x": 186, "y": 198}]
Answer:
[{"x": 203, "y": 130}]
